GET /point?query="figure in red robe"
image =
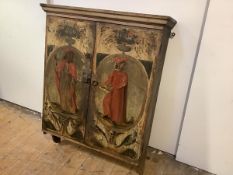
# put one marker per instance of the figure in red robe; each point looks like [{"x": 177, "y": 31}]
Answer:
[
  {"x": 114, "y": 103},
  {"x": 66, "y": 76}
]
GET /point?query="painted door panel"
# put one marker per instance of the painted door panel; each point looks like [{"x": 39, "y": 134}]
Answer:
[
  {"x": 122, "y": 69},
  {"x": 70, "y": 45}
]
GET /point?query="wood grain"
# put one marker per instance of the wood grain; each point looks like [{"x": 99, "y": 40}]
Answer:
[{"x": 25, "y": 150}]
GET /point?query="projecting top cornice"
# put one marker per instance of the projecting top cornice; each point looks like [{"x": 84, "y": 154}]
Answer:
[{"x": 116, "y": 17}]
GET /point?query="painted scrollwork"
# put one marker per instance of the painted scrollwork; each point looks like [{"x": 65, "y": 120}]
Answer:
[{"x": 62, "y": 123}]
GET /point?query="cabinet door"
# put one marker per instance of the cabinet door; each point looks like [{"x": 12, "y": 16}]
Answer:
[
  {"x": 69, "y": 49},
  {"x": 122, "y": 73}
]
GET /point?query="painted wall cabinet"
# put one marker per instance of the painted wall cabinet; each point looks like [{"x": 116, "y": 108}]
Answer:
[{"x": 102, "y": 74}]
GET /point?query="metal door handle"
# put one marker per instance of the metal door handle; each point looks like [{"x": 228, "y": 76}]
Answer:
[{"x": 95, "y": 83}]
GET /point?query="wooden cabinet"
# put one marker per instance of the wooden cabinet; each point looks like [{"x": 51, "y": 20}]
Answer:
[{"x": 102, "y": 74}]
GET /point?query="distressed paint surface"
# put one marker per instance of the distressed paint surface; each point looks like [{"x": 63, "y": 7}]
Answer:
[
  {"x": 141, "y": 44},
  {"x": 64, "y": 31},
  {"x": 140, "y": 48},
  {"x": 70, "y": 45},
  {"x": 112, "y": 118}
]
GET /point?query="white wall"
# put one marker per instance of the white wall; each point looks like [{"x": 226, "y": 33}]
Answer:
[
  {"x": 207, "y": 136},
  {"x": 22, "y": 50},
  {"x": 22, "y": 44}
]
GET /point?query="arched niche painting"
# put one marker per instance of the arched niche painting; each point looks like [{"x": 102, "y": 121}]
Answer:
[
  {"x": 121, "y": 94},
  {"x": 64, "y": 91},
  {"x": 122, "y": 70}
]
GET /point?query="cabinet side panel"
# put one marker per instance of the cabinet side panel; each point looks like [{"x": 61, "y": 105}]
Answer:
[{"x": 157, "y": 74}]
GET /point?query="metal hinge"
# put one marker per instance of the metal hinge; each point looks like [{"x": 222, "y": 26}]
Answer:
[{"x": 172, "y": 35}]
